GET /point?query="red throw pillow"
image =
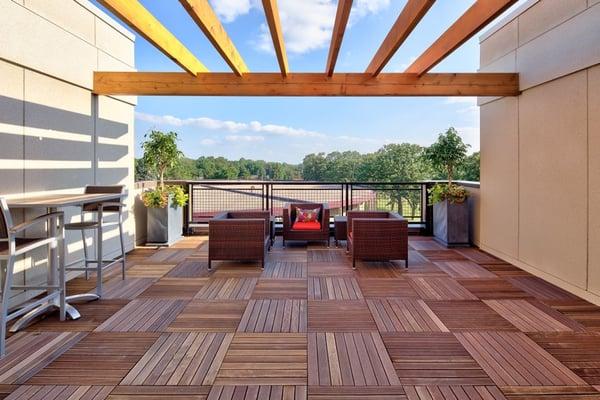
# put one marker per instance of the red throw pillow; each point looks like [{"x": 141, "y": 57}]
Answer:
[{"x": 307, "y": 215}]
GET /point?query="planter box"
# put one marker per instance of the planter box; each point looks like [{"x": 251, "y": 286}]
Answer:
[
  {"x": 164, "y": 225},
  {"x": 451, "y": 223}
]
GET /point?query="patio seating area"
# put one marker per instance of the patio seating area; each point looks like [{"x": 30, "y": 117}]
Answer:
[{"x": 457, "y": 324}]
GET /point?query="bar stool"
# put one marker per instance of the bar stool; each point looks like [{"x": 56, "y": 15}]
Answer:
[
  {"x": 100, "y": 209},
  {"x": 11, "y": 247}
]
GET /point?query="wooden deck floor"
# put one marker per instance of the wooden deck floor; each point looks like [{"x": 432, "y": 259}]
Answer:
[{"x": 457, "y": 324}]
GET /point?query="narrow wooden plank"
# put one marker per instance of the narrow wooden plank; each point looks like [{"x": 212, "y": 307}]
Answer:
[
  {"x": 274, "y": 23},
  {"x": 61, "y": 392},
  {"x": 280, "y": 289},
  {"x": 134, "y": 14},
  {"x": 438, "y": 288},
  {"x": 469, "y": 315},
  {"x": 472, "y": 21},
  {"x": 274, "y": 316},
  {"x": 339, "y": 28},
  {"x": 339, "y": 316},
  {"x": 333, "y": 288},
  {"x": 404, "y": 315},
  {"x": 209, "y": 316},
  {"x": 531, "y": 317},
  {"x": 258, "y": 392},
  {"x": 143, "y": 315},
  {"x": 409, "y": 18},
  {"x": 464, "y": 270},
  {"x": 227, "y": 289}
]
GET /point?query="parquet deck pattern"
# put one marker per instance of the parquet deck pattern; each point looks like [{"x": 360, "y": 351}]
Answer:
[{"x": 458, "y": 324}]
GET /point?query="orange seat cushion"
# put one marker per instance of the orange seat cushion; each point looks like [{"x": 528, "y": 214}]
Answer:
[{"x": 307, "y": 226}]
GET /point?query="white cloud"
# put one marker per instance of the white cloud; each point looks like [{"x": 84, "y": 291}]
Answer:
[
  {"x": 402, "y": 67},
  {"x": 469, "y": 104},
  {"x": 363, "y": 7},
  {"x": 208, "y": 142},
  {"x": 229, "y": 10},
  {"x": 227, "y": 126},
  {"x": 244, "y": 138}
]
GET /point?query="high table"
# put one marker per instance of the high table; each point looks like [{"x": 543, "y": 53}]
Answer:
[{"x": 52, "y": 203}]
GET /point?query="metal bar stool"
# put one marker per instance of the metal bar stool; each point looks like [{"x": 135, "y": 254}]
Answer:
[
  {"x": 99, "y": 209},
  {"x": 11, "y": 247}
]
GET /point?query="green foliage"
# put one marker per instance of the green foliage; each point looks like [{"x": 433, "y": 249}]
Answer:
[
  {"x": 451, "y": 192},
  {"x": 160, "y": 153},
  {"x": 159, "y": 197},
  {"x": 447, "y": 153},
  {"x": 469, "y": 169}
]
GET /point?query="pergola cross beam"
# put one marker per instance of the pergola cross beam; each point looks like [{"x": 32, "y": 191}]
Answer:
[
  {"x": 274, "y": 23},
  {"x": 339, "y": 28}
]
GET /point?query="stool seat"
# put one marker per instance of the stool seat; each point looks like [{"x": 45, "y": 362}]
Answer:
[{"x": 81, "y": 225}]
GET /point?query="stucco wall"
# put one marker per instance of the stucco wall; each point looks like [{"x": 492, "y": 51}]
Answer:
[
  {"x": 540, "y": 151},
  {"x": 55, "y": 136}
]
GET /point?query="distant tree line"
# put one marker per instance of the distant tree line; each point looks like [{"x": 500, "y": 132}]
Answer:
[{"x": 403, "y": 162}]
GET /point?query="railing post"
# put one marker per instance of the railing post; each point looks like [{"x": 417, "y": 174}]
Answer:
[
  {"x": 187, "y": 210},
  {"x": 428, "y": 209}
]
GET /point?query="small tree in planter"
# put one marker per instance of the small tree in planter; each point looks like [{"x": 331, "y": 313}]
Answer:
[
  {"x": 165, "y": 213},
  {"x": 450, "y": 209}
]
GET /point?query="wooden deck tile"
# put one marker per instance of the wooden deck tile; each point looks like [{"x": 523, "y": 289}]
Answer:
[
  {"x": 209, "y": 316},
  {"x": 159, "y": 392},
  {"x": 181, "y": 359},
  {"x": 380, "y": 269},
  {"x": 333, "y": 288},
  {"x": 404, "y": 315},
  {"x": 265, "y": 359},
  {"x": 274, "y": 316},
  {"x": 356, "y": 393},
  {"x": 255, "y": 392},
  {"x": 587, "y": 314},
  {"x": 466, "y": 315},
  {"x": 128, "y": 289},
  {"x": 284, "y": 270},
  {"x": 454, "y": 393},
  {"x": 493, "y": 289},
  {"x": 171, "y": 255},
  {"x": 143, "y": 315},
  {"x": 386, "y": 288},
  {"x": 464, "y": 270},
  {"x": 442, "y": 255},
  {"x": 92, "y": 314},
  {"x": 530, "y": 316},
  {"x": 438, "y": 288},
  {"x": 433, "y": 359},
  {"x": 174, "y": 288},
  {"x": 149, "y": 270},
  {"x": 349, "y": 359},
  {"x": 227, "y": 289},
  {"x": 512, "y": 359},
  {"x": 29, "y": 352},
  {"x": 49, "y": 392},
  {"x": 280, "y": 289},
  {"x": 579, "y": 351},
  {"x": 189, "y": 269},
  {"x": 478, "y": 256},
  {"x": 236, "y": 269},
  {"x": 339, "y": 316},
  {"x": 505, "y": 270},
  {"x": 331, "y": 256},
  {"x": 98, "y": 359},
  {"x": 426, "y": 244},
  {"x": 551, "y": 393},
  {"x": 541, "y": 289}
]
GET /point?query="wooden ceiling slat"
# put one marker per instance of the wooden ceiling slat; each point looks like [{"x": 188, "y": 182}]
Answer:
[
  {"x": 472, "y": 21},
  {"x": 306, "y": 84},
  {"x": 204, "y": 16},
  {"x": 143, "y": 22},
  {"x": 339, "y": 28},
  {"x": 274, "y": 23},
  {"x": 408, "y": 19}
]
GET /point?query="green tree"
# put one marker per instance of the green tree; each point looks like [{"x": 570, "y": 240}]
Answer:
[
  {"x": 161, "y": 153},
  {"x": 470, "y": 170},
  {"x": 314, "y": 167},
  {"x": 447, "y": 153}
]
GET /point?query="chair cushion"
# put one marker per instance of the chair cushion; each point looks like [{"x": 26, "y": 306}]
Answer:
[
  {"x": 307, "y": 226},
  {"x": 307, "y": 215}
]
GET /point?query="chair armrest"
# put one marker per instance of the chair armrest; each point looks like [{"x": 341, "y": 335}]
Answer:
[
  {"x": 286, "y": 218},
  {"x": 378, "y": 229},
  {"x": 111, "y": 204},
  {"x": 325, "y": 218},
  {"x": 232, "y": 229},
  {"x": 58, "y": 215}
]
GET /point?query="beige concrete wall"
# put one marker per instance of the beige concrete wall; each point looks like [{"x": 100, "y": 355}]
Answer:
[
  {"x": 540, "y": 151},
  {"x": 55, "y": 136}
]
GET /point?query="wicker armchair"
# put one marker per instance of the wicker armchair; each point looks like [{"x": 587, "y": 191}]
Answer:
[
  {"x": 289, "y": 216},
  {"x": 240, "y": 236},
  {"x": 377, "y": 235}
]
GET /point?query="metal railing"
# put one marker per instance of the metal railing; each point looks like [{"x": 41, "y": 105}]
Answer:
[{"x": 208, "y": 198}]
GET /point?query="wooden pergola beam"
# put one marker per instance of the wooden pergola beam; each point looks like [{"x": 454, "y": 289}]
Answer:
[
  {"x": 339, "y": 28},
  {"x": 472, "y": 21},
  {"x": 143, "y": 22},
  {"x": 204, "y": 16},
  {"x": 409, "y": 18},
  {"x": 274, "y": 23},
  {"x": 305, "y": 84}
]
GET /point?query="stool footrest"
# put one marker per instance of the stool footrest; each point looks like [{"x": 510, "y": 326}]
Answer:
[{"x": 31, "y": 306}]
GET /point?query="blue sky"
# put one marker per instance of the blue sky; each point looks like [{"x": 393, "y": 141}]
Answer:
[{"x": 286, "y": 129}]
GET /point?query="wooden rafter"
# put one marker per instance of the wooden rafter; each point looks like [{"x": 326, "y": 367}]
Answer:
[
  {"x": 339, "y": 28},
  {"x": 143, "y": 22},
  {"x": 306, "y": 84},
  {"x": 411, "y": 15},
  {"x": 274, "y": 22},
  {"x": 204, "y": 16},
  {"x": 472, "y": 21}
]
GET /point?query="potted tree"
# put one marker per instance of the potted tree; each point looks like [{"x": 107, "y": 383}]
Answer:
[
  {"x": 165, "y": 202},
  {"x": 450, "y": 209}
]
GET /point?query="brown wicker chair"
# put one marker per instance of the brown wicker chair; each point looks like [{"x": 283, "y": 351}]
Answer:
[
  {"x": 377, "y": 236},
  {"x": 289, "y": 216},
  {"x": 240, "y": 236}
]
